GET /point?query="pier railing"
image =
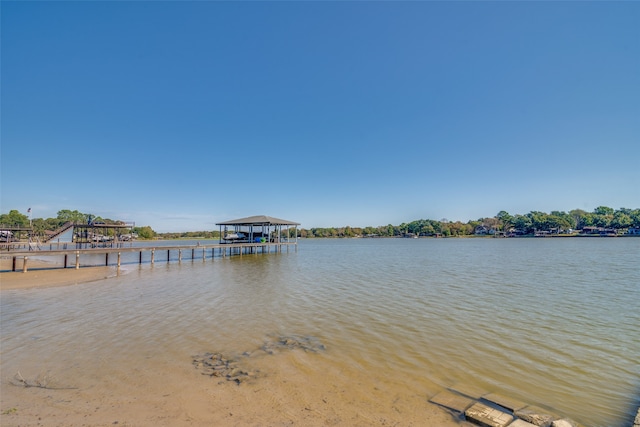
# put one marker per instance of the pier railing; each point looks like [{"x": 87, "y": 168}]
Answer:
[{"x": 74, "y": 258}]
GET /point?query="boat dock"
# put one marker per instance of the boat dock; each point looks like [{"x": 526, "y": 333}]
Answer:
[
  {"x": 77, "y": 258},
  {"x": 250, "y": 235}
]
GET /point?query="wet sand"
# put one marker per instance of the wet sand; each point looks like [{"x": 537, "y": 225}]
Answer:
[
  {"x": 294, "y": 388},
  {"x": 43, "y": 275},
  {"x": 298, "y": 389}
]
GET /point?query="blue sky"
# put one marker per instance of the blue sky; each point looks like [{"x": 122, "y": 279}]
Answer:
[{"x": 179, "y": 115}]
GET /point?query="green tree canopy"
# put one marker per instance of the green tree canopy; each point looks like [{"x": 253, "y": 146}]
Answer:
[
  {"x": 14, "y": 219},
  {"x": 75, "y": 216},
  {"x": 145, "y": 232}
]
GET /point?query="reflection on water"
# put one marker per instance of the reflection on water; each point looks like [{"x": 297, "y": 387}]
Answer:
[{"x": 552, "y": 322}]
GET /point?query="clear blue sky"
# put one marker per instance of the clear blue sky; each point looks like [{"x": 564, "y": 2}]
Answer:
[{"x": 179, "y": 115}]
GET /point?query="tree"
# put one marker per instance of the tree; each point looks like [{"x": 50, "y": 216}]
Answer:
[
  {"x": 491, "y": 223},
  {"x": 14, "y": 219},
  {"x": 39, "y": 225},
  {"x": 145, "y": 232},
  {"x": 505, "y": 220},
  {"x": 522, "y": 223},
  {"x": 635, "y": 217},
  {"x": 603, "y": 210},
  {"x": 539, "y": 220},
  {"x": 559, "y": 221},
  {"x": 602, "y": 216},
  {"x": 621, "y": 220},
  {"x": 75, "y": 216}
]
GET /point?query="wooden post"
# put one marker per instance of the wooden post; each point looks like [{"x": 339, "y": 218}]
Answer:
[
  {"x": 65, "y": 260},
  {"x": 77, "y": 260},
  {"x": 193, "y": 254},
  {"x": 13, "y": 268},
  {"x": 106, "y": 259},
  {"x": 118, "y": 259},
  {"x": 204, "y": 252},
  {"x": 153, "y": 255},
  {"x": 168, "y": 255},
  {"x": 24, "y": 264},
  {"x": 179, "y": 255},
  {"x": 140, "y": 259}
]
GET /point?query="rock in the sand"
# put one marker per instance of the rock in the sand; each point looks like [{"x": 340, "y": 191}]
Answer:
[
  {"x": 536, "y": 416},
  {"x": 218, "y": 365},
  {"x": 306, "y": 343},
  {"x": 564, "y": 422}
]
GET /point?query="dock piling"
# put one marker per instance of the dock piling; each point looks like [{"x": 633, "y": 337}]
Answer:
[{"x": 224, "y": 250}]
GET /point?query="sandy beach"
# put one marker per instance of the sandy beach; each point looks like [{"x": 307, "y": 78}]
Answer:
[
  {"x": 43, "y": 275},
  {"x": 295, "y": 388},
  {"x": 299, "y": 389}
]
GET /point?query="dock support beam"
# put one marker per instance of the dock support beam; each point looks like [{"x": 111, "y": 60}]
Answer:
[
  {"x": 77, "y": 260},
  {"x": 24, "y": 264}
]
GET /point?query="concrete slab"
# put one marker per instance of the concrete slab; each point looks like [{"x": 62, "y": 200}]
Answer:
[
  {"x": 469, "y": 390},
  {"x": 535, "y": 415},
  {"x": 521, "y": 423},
  {"x": 505, "y": 401},
  {"x": 451, "y": 401},
  {"x": 487, "y": 416}
]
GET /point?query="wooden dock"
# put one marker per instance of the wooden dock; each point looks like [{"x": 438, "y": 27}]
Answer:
[{"x": 73, "y": 258}]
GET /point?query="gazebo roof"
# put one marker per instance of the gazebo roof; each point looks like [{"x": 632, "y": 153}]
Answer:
[{"x": 258, "y": 220}]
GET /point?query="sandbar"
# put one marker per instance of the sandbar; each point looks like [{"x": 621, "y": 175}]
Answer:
[{"x": 43, "y": 275}]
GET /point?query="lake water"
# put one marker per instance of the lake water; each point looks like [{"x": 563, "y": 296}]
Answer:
[{"x": 551, "y": 322}]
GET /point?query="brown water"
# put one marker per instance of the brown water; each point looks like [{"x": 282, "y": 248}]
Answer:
[{"x": 552, "y": 322}]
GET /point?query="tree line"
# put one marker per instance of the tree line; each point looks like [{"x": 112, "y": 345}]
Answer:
[
  {"x": 521, "y": 224},
  {"x": 603, "y": 217},
  {"x": 40, "y": 225}
]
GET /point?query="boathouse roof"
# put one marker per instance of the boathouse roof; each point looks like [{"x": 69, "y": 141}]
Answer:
[{"x": 258, "y": 220}]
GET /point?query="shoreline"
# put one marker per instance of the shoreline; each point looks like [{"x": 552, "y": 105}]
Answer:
[{"x": 46, "y": 275}]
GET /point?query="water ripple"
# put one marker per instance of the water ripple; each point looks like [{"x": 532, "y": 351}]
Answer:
[{"x": 550, "y": 321}]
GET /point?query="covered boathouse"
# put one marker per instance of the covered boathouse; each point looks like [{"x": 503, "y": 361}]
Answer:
[{"x": 257, "y": 229}]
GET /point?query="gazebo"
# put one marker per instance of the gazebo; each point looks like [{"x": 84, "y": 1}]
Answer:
[{"x": 256, "y": 229}]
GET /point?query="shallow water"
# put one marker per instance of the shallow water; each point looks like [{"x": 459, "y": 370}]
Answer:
[{"x": 552, "y": 322}]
